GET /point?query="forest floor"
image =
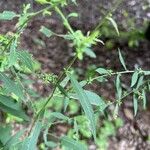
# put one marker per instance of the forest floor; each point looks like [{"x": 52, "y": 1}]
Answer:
[{"x": 55, "y": 53}]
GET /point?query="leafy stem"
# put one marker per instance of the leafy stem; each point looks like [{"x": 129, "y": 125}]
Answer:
[{"x": 53, "y": 92}]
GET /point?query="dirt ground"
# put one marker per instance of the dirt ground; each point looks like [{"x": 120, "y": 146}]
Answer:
[{"x": 56, "y": 52}]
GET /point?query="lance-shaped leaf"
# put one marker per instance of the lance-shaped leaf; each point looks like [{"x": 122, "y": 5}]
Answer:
[
  {"x": 134, "y": 78},
  {"x": 74, "y": 14},
  {"x": 13, "y": 55},
  {"x": 135, "y": 104},
  {"x": 90, "y": 53},
  {"x": 31, "y": 142},
  {"x": 85, "y": 103},
  {"x": 59, "y": 116},
  {"x": 11, "y": 86},
  {"x": 121, "y": 59},
  {"x": 47, "y": 32},
  {"x": 114, "y": 24},
  {"x": 102, "y": 71},
  {"x": 118, "y": 86},
  {"x": 7, "y": 15},
  {"x": 72, "y": 144},
  {"x": 26, "y": 59},
  {"x": 8, "y": 105},
  {"x": 144, "y": 98},
  {"x": 14, "y": 140}
]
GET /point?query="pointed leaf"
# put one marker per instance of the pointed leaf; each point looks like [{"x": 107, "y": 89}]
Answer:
[
  {"x": 46, "y": 31},
  {"x": 135, "y": 104},
  {"x": 60, "y": 116},
  {"x": 85, "y": 103},
  {"x": 102, "y": 71},
  {"x": 74, "y": 14},
  {"x": 7, "y": 15},
  {"x": 14, "y": 140},
  {"x": 144, "y": 99},
  {"x": 122, "y": 60},
  {"x": 13, "y": 55},
  {"x": 114, "y": 24},
  {"x": 11, "y": 86},
  {"x": 72, "y": 144},
  {"x": 31, "y": 142},
  {"x": 118, "y": 87},
  {"x": 134, "y": 78},
  {"x": 26, "y": 59},
  {"x": 8, "y": 105},
  {"x": 90, "y": 53}
]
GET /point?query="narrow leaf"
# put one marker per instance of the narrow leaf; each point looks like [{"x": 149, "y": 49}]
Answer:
[
  {"x": 122, "y": 60},
  {"x": 85, "y": 103},
  {"x": 60, "y": 116},
  {"x": 114, "y": 24},
  {"x": 102, "y": 71},
  {"x": 134, "y": 78},
  {"x": 11, "y": 86},
  {"x": 46, "y": 31},
  {"x": 74, "y": 14},
  {"x": 144, "y": 99},
  {"x": 90, "y": 53},
  {"x": 118, "y": 87},
  {"x": 96, "y": 99},
  {"x": 135, "y": 104},
  {"x": 26, "y": 59},
  {"x": 146, "y": 73},
  {"x": 140, "y": 81},
  {"x": 14, "y": 140},
  {"x": 13, "y": 55},
  {"x": 72, "y": 144},
  {"x": 8, "y": 105},
  {"x": 31, "y": 142},
  {"x": 7, "y": 15}
]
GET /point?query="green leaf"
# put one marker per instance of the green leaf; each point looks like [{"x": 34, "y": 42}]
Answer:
[
  {"x": 26, "y": 59},
  {"x": 85, "y": 103},
  {"x": 144, "y": 99},
  {"x": 31, "y": 142},
  {"x": 102, "y": 71},
  {"x": 62, "y": 90},
  {"x": 140, "y": 81},
  {"x": 11, "y": 86},
  {"x": 6, "y": 132},
  {"x": 118, "y": 86},
  {"x": 90, "y": 53},
  {"x": 95, "y": 99},
  {"x": 7, "y": 15},
  {"x": 135, "y": 104},
  {"x": 42, "y": 1},
  {"x": 114, "y": 24},
  {"x": 13, "y": 55},
  {"x": 48, "y": 33},
  {"x": 72, "y": 144},
  {"x": 122, "y": 60},
  {"x": 8, "y": 105},
  {"x": 74, "y": 14},
  {"x": 14, "y": 140},
  {"x": 146, "y": 73},
  {"x": 60, "y": 116},
  {"x": 134, "y": 78}
]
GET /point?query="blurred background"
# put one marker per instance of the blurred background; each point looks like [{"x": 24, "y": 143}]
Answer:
[{"x": 132, "y": 18}]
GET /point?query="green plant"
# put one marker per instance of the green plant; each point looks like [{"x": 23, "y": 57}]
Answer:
[
  {"x": 108, "y": 129},
  {"x": 16, "y": 65}
]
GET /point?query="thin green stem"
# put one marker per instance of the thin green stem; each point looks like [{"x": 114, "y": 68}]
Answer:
[
  {"x": 112, "y": 74},
  {"x": 52, "y": 94},
  {"x": 66, "y": 23}
]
